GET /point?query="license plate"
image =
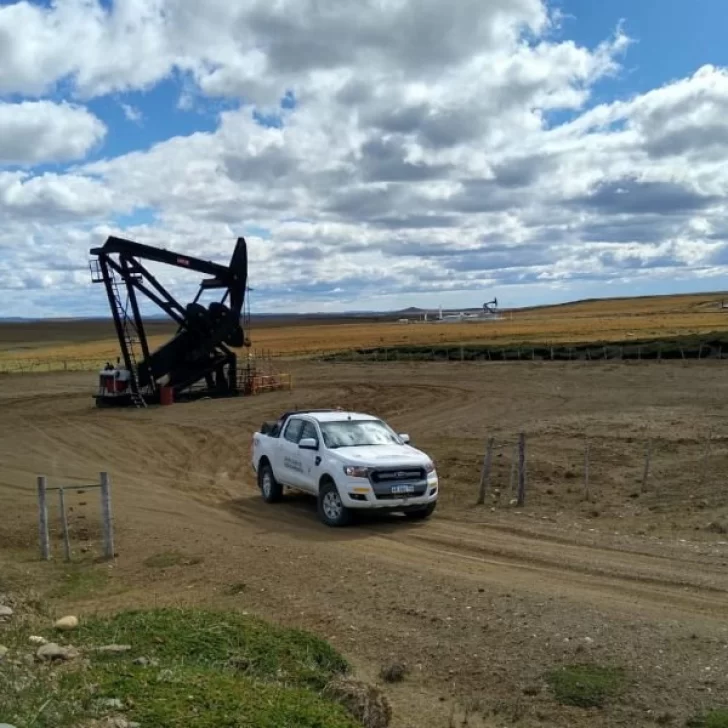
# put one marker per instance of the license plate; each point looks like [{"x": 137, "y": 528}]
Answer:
[{"x": 399, "y": 489}]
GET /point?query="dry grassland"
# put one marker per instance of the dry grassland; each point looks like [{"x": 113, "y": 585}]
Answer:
[{"x": 86, "y": 345}]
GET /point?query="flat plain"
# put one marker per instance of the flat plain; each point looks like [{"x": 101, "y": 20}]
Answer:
[
  {"x": 68, "y": 345},
  {"x": 483, "y": 602}
]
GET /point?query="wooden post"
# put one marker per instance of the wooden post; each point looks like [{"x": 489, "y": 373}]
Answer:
[
  {"x": 485, "y": 474},
  {"x": 514, "y": 460},
  {"x": 586, "y": 470},
  {"x": 706, "y": 455},
  {"x": 64, "y": 525},
  {"x": 648, "y": 457},
  {"x": 108, "y": 528},
  {"x": 522, "y": 469},
  {"x": 45, "y": 541}
]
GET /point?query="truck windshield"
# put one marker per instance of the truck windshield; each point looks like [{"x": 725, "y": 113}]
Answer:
[{"x": 357, "y": 433}]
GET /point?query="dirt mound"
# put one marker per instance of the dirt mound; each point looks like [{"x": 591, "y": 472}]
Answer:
[{"x": 365, "y": 702}]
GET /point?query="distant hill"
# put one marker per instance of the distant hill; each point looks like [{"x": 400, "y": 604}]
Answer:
[{"x": 411, "y": 311}]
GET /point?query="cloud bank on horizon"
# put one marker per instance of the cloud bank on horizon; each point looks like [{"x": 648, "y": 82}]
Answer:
[{"x": 375, "y": 153}]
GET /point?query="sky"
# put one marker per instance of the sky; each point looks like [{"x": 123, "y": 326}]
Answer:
[{"x": 375, "y": 154}]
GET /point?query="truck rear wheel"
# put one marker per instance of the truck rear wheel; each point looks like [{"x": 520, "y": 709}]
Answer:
[
  {"x": 271, "y": 489},
  {"x": 331, "y": 510}
]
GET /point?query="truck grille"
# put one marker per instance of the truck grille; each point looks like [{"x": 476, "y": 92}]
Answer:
[
  {"x": 417, "y": 492},
  {"x": 397, "y": 475}
]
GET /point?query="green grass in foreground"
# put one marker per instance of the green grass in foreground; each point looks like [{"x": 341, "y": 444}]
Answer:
[
  {"x": 202, "y": 669},
  {"x": 713, "y": 719},
  {"x": 586, "y": 686}
]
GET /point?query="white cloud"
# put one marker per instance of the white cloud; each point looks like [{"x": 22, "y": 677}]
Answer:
[
  {"x": 34, "y": 132},
  {"x": 420, "y": 156},
  {"x": 132, "y": 113}
]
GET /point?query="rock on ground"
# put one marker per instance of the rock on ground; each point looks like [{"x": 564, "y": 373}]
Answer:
[
  {"x": 113, "y": 649},
  {"x": 5, "y": 611},
  {"x": 66, "y": 623},
  {"x": 395, "y": 672},
  {"x": 52, "y": 651}
]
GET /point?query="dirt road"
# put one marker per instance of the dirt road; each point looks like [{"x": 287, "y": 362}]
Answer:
[{"x": 479, "y": 602}]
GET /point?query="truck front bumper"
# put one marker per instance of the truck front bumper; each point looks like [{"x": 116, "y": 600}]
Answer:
[{"x": 359, "y": 493}]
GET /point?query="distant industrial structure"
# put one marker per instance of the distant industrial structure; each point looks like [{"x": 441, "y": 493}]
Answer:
[{"x": 489, "y": 312}]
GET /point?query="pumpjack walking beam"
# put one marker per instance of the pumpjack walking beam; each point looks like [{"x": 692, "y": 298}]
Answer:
[{"x": 199, "y": 350}]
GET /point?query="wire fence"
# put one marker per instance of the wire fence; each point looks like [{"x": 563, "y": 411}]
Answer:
[
  {"x": 460, "y": 353},
  {"x": 647, "y": 351},
  {"x": 651, "y": 473}
]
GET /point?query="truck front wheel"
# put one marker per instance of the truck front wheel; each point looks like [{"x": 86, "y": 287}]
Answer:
[
  {"x": 331, "y": 510},
  {"x": 271, "y": 489}
]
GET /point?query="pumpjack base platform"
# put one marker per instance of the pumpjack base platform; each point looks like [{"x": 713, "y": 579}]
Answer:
[{"x": 126, "y": 400}]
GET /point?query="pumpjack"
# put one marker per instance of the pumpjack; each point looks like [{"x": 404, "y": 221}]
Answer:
[{"x": 197, "y": 361}]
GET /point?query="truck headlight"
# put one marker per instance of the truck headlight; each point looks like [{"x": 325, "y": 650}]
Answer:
[
  {"x": 430, "y": 468},
  {"x": 355, "y": 471}
]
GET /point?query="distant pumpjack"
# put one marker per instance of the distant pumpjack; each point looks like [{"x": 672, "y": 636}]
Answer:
[{"x": 197, "y": 360}]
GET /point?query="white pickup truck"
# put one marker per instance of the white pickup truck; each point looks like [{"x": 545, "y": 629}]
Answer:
[{"x": 349, "y": 461}]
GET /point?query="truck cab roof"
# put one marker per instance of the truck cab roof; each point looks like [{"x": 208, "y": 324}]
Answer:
[
  {"x": 320, "y": 415},
  {"x": 336, "y": 416},
  {"x": 327, "y": 415}
]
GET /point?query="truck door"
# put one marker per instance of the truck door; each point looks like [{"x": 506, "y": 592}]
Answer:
[
  {"x": 289, "y": 467},
  {"x": 310, "y": 459}
]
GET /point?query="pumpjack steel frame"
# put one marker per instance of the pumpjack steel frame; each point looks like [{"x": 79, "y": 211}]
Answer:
[{"x": 197, "y": 361}]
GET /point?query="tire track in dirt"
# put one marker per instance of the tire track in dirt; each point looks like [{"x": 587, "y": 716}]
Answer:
[
  {"x": 594, "y": 560},
  {"x": 624, "y": 592},
  {"x": 597, "y": 577}
]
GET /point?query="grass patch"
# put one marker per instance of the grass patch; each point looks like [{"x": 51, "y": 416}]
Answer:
[
  {"x": 201, "y": 669},
  {"x": 586, "y": 686},
  {"x": 712, "y": 719},
  {"x": 166, "y": 559},
  {"x": 77, "y": 581},
  {"x": 219, "y": 640}
]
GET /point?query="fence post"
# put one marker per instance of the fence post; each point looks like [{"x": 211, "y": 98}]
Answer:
[
  {"x": 648, "y": 457},
  {"x": 514, "y": 460},
  {"x": 485, "y": 474},
  {"x": 522, "y": 469},
  {"x": 706, "y": 455},
  {"x": 108, "y": 527},
  {"x": 64, "y": 525},
  {"x": 45, "y": 542}
]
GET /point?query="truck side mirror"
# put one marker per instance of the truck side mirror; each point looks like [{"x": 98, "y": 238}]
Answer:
[
  {"x": 404, "y": 437},
  {"x": 308, "y": 443}
]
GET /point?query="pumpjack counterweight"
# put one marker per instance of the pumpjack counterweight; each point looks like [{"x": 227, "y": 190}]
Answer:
[{"x": 198, "y": 360}]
